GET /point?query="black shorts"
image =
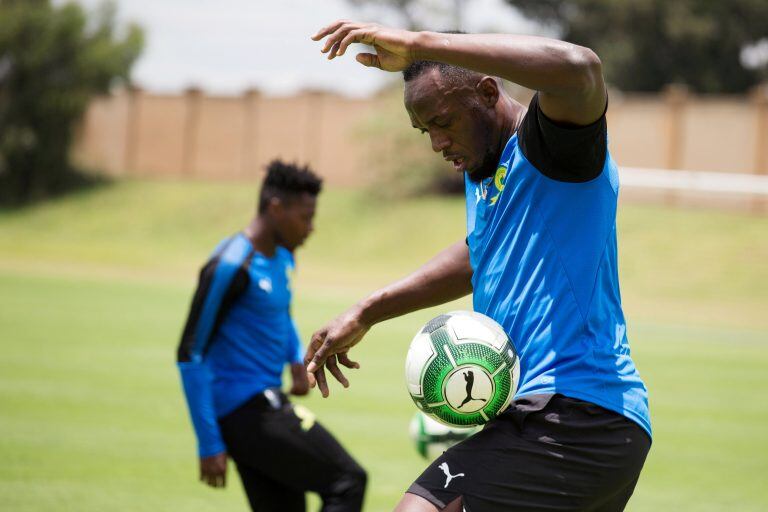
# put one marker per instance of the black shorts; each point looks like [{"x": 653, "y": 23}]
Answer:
[
  {"x": 547, "y": 452},
  {"x": 281, "y": 452}
]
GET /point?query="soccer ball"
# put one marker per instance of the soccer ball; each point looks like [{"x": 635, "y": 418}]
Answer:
[
  {"x": 461, "y": 369},
  {"x": 432, "y": 438}
]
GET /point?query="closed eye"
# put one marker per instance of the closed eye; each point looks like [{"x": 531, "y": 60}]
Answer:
[{"x": 442, "y": 123}]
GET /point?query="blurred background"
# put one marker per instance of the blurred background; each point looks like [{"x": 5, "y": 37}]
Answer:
[{"x": 132, "y": 138}]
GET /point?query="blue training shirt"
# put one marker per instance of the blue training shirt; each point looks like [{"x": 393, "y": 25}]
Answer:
[
  {"x": 542, "y": 242},
  {"x": 239, "y": 334}
]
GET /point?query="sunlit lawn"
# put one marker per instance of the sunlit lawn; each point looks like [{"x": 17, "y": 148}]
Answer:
[{"x": 94, "y": 288}]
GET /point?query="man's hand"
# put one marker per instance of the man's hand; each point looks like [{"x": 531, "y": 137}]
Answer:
[
  {"x": 213, "y": 470},
  {"x": 445, "y": 277},
  {"x": 329, "y": 347},
  {"x": 299, "y": 380},
  {"x": 394, "y": 47}
]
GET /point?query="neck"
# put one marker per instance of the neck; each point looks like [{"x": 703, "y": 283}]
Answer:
[
  {"x": 261, "y": 236},
  {"x": 511, "y": 116}
]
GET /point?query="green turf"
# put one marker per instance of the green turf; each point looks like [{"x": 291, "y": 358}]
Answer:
[{"x": 94, "y": 288}]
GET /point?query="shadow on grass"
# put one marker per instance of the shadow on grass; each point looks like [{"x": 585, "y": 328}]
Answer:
[{"x": 18, "y": 191}]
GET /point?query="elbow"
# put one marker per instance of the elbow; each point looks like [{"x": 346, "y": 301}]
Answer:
[{"x": 585, "y": 68}]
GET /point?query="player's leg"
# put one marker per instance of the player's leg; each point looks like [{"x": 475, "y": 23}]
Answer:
[
  {"x": 414, "y": 503},
  {"x": 617, "y": 502},
  {"x": 294, "y": 450},
  {"x": 267, "y": 495},
  {"x": 328, "y": 469}
]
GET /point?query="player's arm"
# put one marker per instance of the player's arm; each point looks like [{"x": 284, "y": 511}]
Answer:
[
  {"x": 568, "y": 77},
  {"x": 446, "y": 277},
  {"x": 218, "y": 281}
]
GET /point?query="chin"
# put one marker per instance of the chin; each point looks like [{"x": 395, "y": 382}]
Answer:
[
  {"x": 473, "y": 176},
  {"x": 485, "y": 170},
  {"x": 477, "y": 175}
]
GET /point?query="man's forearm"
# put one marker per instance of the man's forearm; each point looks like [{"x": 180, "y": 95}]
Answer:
[
  {"x": 446, "y": 277},
  {"x": 538, "y": 63}
]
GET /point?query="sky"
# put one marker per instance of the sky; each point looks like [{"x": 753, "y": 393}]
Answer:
[{"x": 228, "y": 46}]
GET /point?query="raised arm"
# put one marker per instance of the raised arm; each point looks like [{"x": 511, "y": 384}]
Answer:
[
  {"x": 568, "y": 77},
  {"x": 445, "y": 277}
]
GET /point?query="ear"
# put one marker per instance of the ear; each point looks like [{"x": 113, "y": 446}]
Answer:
[
  {"x": 275, "y": 206},
  {"x": 488, "y": 91}
]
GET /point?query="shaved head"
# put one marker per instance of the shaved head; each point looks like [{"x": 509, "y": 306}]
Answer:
[{"x": 452, "y": 75}]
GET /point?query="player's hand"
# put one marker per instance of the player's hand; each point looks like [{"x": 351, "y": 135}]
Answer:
[
  {"x": 394, "y": 47},
  {"x": 329, "y": 347},
  {"x": 213, "y": 470},
  {"x": 300, "y": 382}
]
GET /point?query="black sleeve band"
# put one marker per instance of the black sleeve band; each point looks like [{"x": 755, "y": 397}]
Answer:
[
  {"x": 563, "y": 152},
  {"x": 234, "y": 290}
]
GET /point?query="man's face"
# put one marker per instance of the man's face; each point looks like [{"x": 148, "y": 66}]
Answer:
[
  {"x": 460, "y": 124},
  {"x": 293, "y": 219}
]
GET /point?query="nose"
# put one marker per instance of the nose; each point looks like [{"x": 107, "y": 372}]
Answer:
[{"x": 439, "y": 141}]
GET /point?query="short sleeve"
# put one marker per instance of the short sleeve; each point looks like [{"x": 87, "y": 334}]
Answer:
[{"x": 563, "y": 152}]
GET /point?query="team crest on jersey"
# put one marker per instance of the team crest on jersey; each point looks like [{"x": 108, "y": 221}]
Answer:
[{"x": 499, "y": 180}]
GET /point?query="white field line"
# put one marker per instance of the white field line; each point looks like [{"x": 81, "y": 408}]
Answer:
[{"x": 697, "y": 181}]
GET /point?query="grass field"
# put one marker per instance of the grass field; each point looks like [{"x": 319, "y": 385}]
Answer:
[{"x": 94, "y": 288}]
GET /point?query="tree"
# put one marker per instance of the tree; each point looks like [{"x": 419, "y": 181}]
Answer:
[
  {"x": 53, "y": 60},
  {"x": 647, "y": 44}
]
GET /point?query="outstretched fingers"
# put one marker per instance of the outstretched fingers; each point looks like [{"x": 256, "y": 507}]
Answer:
[
  {"x": 321, "y": 353},
  {"x": 359, "y": 35},
  {"x": 328, "y": 29},
  {"x": 318, "y": 352},
  {"x": 346, "y": 361},
  {"x": 336, "y": 36},
  {"x": 330, "y": 363},
  {"x": 341, "y": 35},
  {"x": 322, "y": 382}
]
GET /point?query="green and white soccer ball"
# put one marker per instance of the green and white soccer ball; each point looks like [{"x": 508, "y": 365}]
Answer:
[
  {"x": 432, "y": 438},
  {"x": 462, "y": 369}
]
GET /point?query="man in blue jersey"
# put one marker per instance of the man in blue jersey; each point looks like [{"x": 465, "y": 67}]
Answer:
[
  {"x": 539, "y": 258},
  {"x": 238, "y": 338}
]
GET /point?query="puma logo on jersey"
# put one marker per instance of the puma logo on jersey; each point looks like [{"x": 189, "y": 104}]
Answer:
[
  {"x": 448, "y": 475},
  {"x": 265, "y": 284}
]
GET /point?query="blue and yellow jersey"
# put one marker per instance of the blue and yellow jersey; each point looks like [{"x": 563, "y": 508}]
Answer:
[
  {"x": 239, "y": 334},
  {"x": 542, "y": 241}
]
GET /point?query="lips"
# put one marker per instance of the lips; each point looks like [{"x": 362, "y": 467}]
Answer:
[{"x": 457, "y": 161}]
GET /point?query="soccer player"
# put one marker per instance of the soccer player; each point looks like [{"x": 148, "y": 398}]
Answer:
[
  {"x": 540, "y": 258},
  {"x": 238, "y": 338}
]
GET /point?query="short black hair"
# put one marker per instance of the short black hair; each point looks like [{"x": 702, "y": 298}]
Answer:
[
  {"x": 284, "y": 179},
  {"x": 453, "y": 74}
]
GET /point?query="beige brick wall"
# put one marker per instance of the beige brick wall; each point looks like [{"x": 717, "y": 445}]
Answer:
[{"x": 195, "y": 135}]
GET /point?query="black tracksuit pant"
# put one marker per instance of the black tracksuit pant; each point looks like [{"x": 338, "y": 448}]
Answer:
[{"x": 281, "y": 453}]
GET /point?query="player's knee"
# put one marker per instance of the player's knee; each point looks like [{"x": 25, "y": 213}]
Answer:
[
  {"x": 355, "y": 480},
  {"x": 350, "y": 482}
]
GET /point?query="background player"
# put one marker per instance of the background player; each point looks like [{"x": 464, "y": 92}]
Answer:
[
  {"x": 540, "y": 259},
  {"x": 236, "y": 342}
]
